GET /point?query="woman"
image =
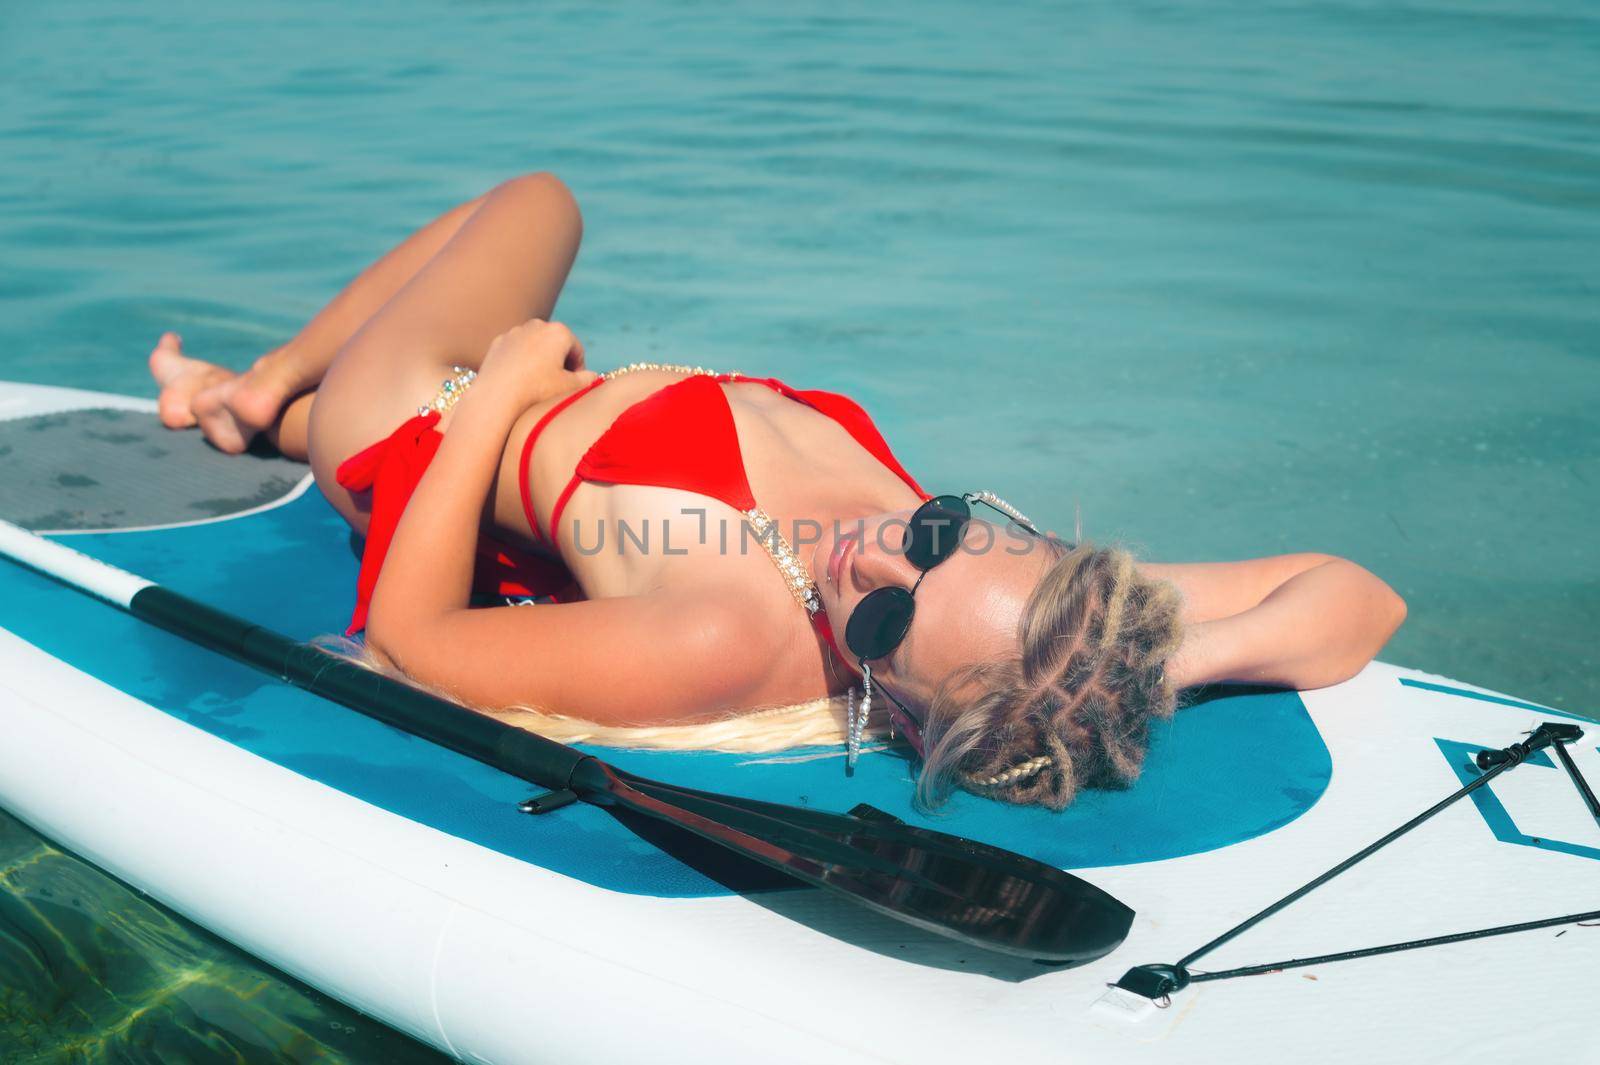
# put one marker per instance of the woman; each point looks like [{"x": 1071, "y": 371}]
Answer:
[{"x": 725, "y": 543}]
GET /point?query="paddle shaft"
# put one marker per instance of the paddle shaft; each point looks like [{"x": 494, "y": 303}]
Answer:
[
  {"x": 516, "y": 751},
  {"x": 512, "y": 750}
]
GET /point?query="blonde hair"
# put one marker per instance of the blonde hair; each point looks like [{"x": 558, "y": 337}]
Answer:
[
  {"x": 817, "y": 722},
  {"x": 1072, "y": 708}
]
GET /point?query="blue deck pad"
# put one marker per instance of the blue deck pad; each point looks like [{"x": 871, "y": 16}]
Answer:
[{"x": 1219, "y": 773}]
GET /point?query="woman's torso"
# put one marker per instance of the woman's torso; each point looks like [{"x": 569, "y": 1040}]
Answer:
[{"x": 802, "y": 466}]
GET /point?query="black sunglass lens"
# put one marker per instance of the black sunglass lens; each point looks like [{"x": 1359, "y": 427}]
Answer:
[
  {"x": 935, "y": 531},
  {"x": 879, "y": 622}
]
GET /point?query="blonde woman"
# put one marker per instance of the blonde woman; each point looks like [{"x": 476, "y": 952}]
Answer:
[{"x": 734, "y": 562}]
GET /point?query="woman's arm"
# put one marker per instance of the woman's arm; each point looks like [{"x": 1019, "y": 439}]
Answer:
[
  {"x": 1299, "y": 621},
  {"x": 428, "y": 568},
  {"x": 630, "y": 661}
]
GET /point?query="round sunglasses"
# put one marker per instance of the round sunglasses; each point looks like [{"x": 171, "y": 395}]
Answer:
[{"x": 880, "y": 621}]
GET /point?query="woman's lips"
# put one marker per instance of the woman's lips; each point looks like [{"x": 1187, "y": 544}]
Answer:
[{"x": 836, "y": 560}]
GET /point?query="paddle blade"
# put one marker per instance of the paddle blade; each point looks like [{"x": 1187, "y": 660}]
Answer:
[{"x": 980, "y": 895}]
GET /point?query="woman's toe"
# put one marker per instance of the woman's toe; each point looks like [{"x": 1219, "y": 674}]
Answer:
[{"x": 167, "y": 359}]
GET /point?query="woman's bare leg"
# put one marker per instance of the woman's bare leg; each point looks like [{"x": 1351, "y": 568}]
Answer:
[
  {"x": 504, "y": 265},
  {"x": 273, "y": 397}
]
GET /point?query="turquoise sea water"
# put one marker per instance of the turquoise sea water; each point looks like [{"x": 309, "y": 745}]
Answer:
[{"x": 1231, "y": 278}]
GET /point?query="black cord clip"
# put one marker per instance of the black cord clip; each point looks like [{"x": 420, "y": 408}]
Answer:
[
  {"x": 1548, "y": 734},
  {"x": 1154, "y": 981}
]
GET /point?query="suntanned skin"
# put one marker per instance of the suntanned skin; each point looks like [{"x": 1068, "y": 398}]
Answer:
[{"x": 664, "y": 637}]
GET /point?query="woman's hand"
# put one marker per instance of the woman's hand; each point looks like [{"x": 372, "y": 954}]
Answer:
[{"x": 536, "y": 361}]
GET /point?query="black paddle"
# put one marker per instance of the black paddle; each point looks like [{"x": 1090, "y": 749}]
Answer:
[{"x": 981, "y": 895}]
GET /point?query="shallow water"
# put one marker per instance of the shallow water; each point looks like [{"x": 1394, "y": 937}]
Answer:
[
  {"x": 91, "y": 970},
  {"x": 1233, "y": 279}
]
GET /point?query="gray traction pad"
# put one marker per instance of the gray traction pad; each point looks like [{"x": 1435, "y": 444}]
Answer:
[{"x": 111, "y": 469}]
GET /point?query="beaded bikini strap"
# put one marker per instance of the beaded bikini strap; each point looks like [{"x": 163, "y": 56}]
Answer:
[{"x": 451, "y": 390}]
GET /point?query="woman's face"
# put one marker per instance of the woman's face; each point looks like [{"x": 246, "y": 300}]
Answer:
[{"x": 967, "y": 608}]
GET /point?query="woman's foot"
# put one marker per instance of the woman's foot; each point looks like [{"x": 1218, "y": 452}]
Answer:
[
  {"x": 231, "y": 409},
  {"x": 179, "y": 378}
]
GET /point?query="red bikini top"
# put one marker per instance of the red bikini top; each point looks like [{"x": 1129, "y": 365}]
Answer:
[{"x": 683, "y": 436}]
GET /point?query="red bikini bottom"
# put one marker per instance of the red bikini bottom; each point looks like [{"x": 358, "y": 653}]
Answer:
[{"x": 391, "y": 470}]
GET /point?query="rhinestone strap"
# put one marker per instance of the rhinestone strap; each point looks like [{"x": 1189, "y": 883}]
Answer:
[
  {"x": 451, "y": 390},
  {"x": 801, "y": 586},
  {"x": 674, "y": 367}
]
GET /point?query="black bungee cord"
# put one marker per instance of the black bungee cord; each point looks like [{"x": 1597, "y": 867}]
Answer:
[
  {"x": 1159, "y": 981},
  {"x": 1578, "y": 782}
]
